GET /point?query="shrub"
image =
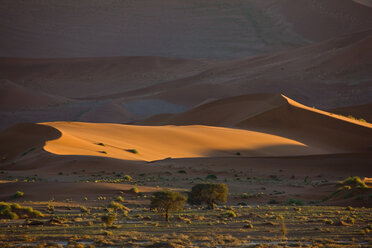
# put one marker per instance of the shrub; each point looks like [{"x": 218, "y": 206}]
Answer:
[
  {"x": 249, "y": 226},
  {"x": 211, "y": 177},
  {"x": 120, "y": 199},
  {"x": 165, "y": 201},
  {"x": 117, "y": 206},
  {"x": 328, "y": 221},
  {"x": 15, "y": 211},
  {"x": 18, "y": 194},
  {"x": 109, "y": 219},
  {"x": 295, "y": 202},
  {"x": 229, "y": 214},
  {"x": 182, "y": 171},
  {"x": 134, "y": 190},
  {"x": 128, "y": 178},
  {"x": 84, "y": 209},
  {"x": 273, "y": 201},
  {"x": 355, "y": 182},
  {"x": 50, "y": 208},
  {"x": 210, "y": 194},
  {"x": 134, "y": 151}
]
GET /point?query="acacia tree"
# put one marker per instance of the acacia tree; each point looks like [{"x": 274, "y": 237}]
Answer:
[
  {"x": 166, "y": 201},
  {"x": 208, "y": 193}
]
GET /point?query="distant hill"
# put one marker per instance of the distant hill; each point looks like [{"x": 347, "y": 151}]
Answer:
[{"x": 172, "y": 28}]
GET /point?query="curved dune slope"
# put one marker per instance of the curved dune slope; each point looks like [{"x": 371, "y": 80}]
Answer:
[
  {"x": 329, "y": 74},
  {"x": 277, "y": 115},
  {"x": 15, "y": 97},
  {"x": 159, "y": 142},
  {"x": 89, "y": 77}
]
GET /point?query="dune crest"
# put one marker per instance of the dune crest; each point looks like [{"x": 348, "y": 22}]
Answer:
[{"x": 278, "y": 115}]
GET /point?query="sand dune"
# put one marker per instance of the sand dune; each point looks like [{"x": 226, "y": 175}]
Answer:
[
  {"x": 154, "y": 143},
  {"x": 108, "y": 112},
  {"x": 89, "y": 77},
  {"x": 277, "y": 115},
  {"x": 363, "y": 111},
  {"x": 327, "y": 75},
  {"x": 271, "y": 125},
  {"x": 14, "y": 97},
  {"x": 192, "y": 29}
]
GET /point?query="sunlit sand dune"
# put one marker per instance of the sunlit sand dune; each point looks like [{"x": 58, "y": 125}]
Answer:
[{"x": 153, "y": 143}]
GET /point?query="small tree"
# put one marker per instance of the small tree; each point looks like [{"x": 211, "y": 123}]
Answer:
[
  {"x": 208, "y": 193},
  {"x": 165, "y": 201}
]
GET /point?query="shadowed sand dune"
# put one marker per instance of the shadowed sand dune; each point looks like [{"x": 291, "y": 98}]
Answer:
[
  {"x": 14, "y": 97},
  {"x": 89, "y": 77},
  {"x": 331, "y": 74},
  {"x": 173, "y": 28},
  {"x": 277, "y": 115},
  {"x": 21, "y": 139},
  {"x": 363, "y": 111}
]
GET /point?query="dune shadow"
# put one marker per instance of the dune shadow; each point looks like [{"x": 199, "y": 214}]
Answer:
[{"x": 20, "y": 140}]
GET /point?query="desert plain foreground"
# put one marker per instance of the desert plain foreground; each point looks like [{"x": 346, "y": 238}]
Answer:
[
  {"x": 105, "y": 103},
  {"x": 284, "y": 163}
]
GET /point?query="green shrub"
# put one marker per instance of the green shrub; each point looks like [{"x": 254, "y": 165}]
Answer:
[
  {"x": 355, "y": 182},
  {"x": 84, "y": 209},
  {"x": 128, "y": 178},
  {"x": 134, "y": 151},
  {"x": 134, "y": 190},
  {"x": 249, "y": 226},
  {"x": 229, "y": 214},
  {"x": 182, "y": 171},
  {"x": 209, "y": 193},
  {"x": 211, "y": 177},
  {"x": 295, "y": 202},
  {"x": 15, "y": 211},
  {"x": 120, "y": 199},
  {"x": 109, "y": 219},
  {"x": 165, "y": 201},
  {"x": 273, "y": 201},
  {"x": 18, "y": 194},
  {"x": 117, "y": 206}
]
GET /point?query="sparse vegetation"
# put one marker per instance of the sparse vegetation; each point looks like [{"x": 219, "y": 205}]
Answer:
[
  {"x": 134, "y": 151},
  {"x": 295, "y": 202},
  {"x": 209, "y": 193},
  {"x": 355, "y": 182},
  {"x": 18, "y": 194},
  {"x": 109, "y": 219},
  {"x": 211, "y": 177},
  {"x": 166, "y": 201},
  {"x": 15, "y": 211},
  {"x": 128, "y": 178},
  {"x": 134, "y": 190}
]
